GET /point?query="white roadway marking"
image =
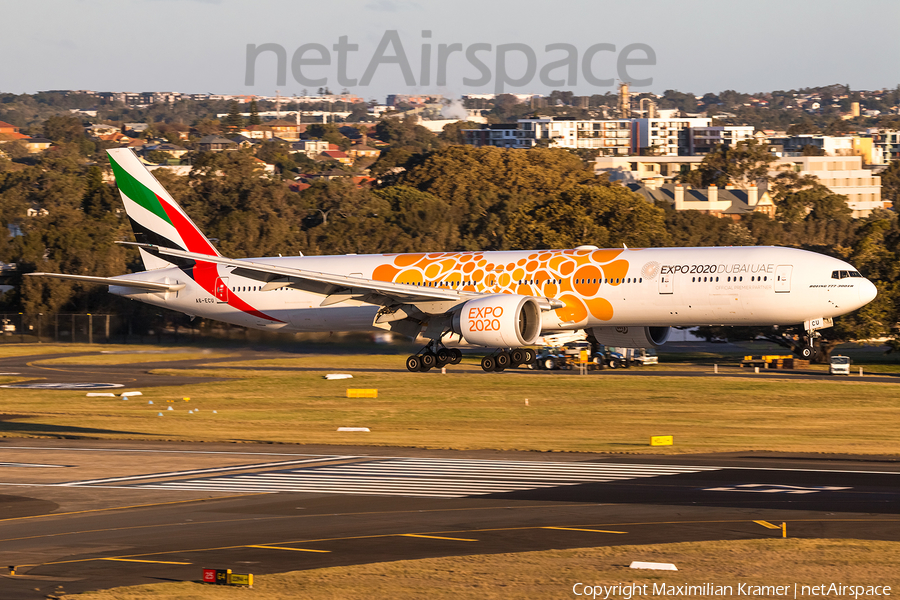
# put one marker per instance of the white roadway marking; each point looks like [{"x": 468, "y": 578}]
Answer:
[
  {"x": 7, "y": 464},
  {"x": 772, "y": 488},
  {"x": 196, "y": 472},
  {"x": 513, "y": 462}
]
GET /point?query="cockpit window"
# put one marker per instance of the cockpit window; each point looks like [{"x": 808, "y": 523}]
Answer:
[{"x": 844, "y": 274}]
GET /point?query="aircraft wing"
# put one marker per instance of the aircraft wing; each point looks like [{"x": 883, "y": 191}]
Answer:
[
  {"x": 152, "y": 286},
  {"x": 335, "y": 288}
]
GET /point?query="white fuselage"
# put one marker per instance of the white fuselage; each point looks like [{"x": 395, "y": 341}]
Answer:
[{"x": 618, "y": 287}]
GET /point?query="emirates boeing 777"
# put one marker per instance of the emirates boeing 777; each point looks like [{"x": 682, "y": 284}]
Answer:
[{"x": 502, "y": 301}]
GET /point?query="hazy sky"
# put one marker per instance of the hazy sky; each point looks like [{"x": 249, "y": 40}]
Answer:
[{"x": 201, "y": 45}]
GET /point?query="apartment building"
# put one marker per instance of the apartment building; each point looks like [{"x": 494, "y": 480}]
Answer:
[
  {"x": 612, "y": 137},
  {"x": 841, "y": 174}
]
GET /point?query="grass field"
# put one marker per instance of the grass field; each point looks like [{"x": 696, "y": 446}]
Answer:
[
  {"x": 552, "y": 574},
  {"x": 468, "y": 409}
]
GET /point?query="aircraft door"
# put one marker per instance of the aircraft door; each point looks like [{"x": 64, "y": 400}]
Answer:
[
  {"x": 783, "y": 278},
  {"x": 667, "y": 283},
  {"x": 222, "y": 290}
]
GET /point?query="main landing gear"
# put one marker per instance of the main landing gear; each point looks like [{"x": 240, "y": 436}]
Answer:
[
  {"x": 428, "y": 359},
  {"x": 507, "y": 359}
]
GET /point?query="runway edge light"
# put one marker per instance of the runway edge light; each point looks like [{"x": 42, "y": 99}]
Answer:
[{"x": 662, "y": 440}]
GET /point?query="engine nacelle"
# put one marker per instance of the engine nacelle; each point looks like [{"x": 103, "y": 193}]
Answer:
[
  {"x": 499, "y": 321},
  {"x": 631, "y": 337}
]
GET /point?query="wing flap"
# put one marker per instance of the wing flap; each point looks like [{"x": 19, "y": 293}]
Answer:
[{"x": 152, "y": 286}]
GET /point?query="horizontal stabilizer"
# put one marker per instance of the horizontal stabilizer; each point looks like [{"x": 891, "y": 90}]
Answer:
[{"x": 143, "y": 285}]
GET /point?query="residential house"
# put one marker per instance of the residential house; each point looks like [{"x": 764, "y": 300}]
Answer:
[
  {"x": 36, "y": 145},
  {"x": 258, "y": 132},
  {"x": 285, "y": 130},
  {"x": 361, "y": 150},
  {"x": 175, "y": 151},
  {"x": 214, "y": 143},
  {"x": 310, "y": 148},
  {"x": 337, "y": 155}
]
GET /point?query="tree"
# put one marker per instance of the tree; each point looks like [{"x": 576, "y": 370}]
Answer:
[
  {"x": 254, "y": 119},
  {"x": 604, "y": 216},
  {"x": 746, "y": 163},
  {"x": 234, "y": 120},
  {"x": 812, "y": 150},
  {"x": 890, "y": 183},
  {"x": 159, "y": 157},
  {"x": 64, "y": 129}
]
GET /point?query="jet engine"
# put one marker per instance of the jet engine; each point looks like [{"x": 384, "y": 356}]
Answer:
[
  {"x": 631, "y": 337},
  {"x": 499, "y": 321}
]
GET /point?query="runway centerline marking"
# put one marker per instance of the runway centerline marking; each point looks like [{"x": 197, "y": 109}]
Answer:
[
  {"x": 386, "y": 535},
  {"x": 286, "y": 548},
  {"x": 435, "y": 537},
  {"x": 579, "y": 529}
]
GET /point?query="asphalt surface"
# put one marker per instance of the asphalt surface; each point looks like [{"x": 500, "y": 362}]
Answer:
[
  {"x": 78, "y": 515},
  {"x": 35, "y": 369},
  {"x": 82, "y": 515}
]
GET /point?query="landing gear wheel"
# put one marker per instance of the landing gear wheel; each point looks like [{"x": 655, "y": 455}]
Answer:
[
  {"x": 444, "y": 357},
  {"x": 413, "y": 364},
  {"x": 529, "y": 355},
  {"x": 429, "y": 360},
  {"x": 488, "y": 364},
  {"x": 517, "y": 357},
  {"x": 807, "y": 352},
  {"x": 503, "y": 360},
  {"x": 457, "y": 356}
]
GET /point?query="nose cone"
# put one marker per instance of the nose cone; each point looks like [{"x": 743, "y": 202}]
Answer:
[{"x": 867, "y": 292}]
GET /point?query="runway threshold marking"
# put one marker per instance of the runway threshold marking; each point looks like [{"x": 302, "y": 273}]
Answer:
[
  {"x": 592, "y": 530},
  {"x": 286, "y": 548},
  {"x": 283, "y": 463},
  {"x": 156, "y": 562},
  {"x": 768, "y": 525},
  {"x": 436, "y": 537}
]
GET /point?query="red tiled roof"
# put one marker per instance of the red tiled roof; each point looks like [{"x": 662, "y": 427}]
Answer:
[
  {"x": 5, "y": 125},
  {"x": 335, "y": 153},
  {"x": 298, "y": 186}
]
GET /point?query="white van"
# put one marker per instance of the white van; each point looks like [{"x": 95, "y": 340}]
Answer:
[{"x": 839, "y": 365}]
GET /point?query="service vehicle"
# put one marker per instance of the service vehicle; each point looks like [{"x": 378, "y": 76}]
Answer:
[{"x": 839, "y": 365}]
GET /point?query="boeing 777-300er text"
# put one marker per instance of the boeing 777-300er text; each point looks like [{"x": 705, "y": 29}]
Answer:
[{"x": 498, "y": 300}]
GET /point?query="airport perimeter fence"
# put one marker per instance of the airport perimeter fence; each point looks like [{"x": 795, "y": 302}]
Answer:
[{"x": 155, "y": 328}]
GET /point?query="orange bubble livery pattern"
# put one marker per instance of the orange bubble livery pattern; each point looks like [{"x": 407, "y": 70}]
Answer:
[{"x": 573, "y": 276}]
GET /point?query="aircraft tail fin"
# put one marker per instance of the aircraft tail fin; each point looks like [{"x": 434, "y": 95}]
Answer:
[{"x": 155, "y": 216}]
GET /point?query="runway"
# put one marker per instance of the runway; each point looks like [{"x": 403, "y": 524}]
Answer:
[{"x": 89, "y": 515}]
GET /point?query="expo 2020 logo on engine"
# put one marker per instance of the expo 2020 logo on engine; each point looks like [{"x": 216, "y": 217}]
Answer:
[{"x": 650, "y": 270}]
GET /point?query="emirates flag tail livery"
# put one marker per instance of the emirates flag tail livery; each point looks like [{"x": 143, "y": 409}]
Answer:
[{"x": 499, "y": 300}]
